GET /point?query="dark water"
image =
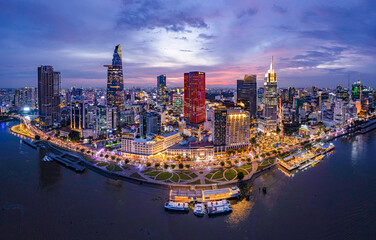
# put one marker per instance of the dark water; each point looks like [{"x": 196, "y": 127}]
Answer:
[{"x": 44, "y": 200}]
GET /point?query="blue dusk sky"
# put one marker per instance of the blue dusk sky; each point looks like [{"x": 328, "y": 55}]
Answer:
[{"x": 314, "y": 42}]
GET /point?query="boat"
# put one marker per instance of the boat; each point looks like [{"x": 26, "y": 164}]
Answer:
[
  {"x": 199, "y": 209},
  {"x": 218, "y": 203},
  {"x": 219, "y": 210},
  {"x": 176, "y": 206},
  {"x": 47, "y": 159}
]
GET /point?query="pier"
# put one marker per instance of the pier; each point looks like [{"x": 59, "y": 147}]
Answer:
[
  {"x": 67, "y": 162},
  {"x": 29, "y": 143}
]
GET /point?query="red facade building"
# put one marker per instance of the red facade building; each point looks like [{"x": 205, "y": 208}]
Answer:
[{"x": 194, "y": 97}]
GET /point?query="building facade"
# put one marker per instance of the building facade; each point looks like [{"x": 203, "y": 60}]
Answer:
[
  {"x": 162, "y": 93},
  {"x": 269, "y": 118},
  {"x": 246, "y": 93},
  {"x": 237, "y": 128},
  {"x": 218, "y": 120},
  {"x": 115, "y": 83},
  {"x": 79, "y": 114},
  {"x": 150, "y": 123},
  {"x": 194, "y": 97},
  {"x": 48, "y": 96}
]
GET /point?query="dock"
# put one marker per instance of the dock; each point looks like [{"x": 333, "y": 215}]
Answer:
[
  {"x": 29, "y": 143},
  {"x": 188, "y": 195},
  {"x": 67, "y": 162}
]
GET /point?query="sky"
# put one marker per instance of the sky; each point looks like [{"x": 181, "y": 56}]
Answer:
[{"x": 314, "y": 42}]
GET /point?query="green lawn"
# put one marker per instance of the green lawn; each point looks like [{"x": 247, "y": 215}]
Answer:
[
  {"x": 110, "y": 167},
  {"x": 145, "y": 171},
  {"x": 102, "y": 164},
  {"x": 230, "y": 174},
  {"x": 125, "y": 167},
  {"x": 175, "y": 178},
  {"x": 184, "y": 176},
  {"x": 136, "y": 175},
  {"x": 209, "y": 175},
  {"x": 218, "y": 174},
  {"x": 241, "y": 170},
  {"x": 193, "y": 175},
  {"x": 198, "y": 181},
  {"x": 163, "y": 176},
  {"x": 153, "y": 174},
  {"x": 248, "y": 166},
  {"x": 209, "y": 182},
  {"x": 117, "y": 168}
]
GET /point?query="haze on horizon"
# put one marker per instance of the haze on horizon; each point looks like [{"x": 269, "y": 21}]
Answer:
[{"x": 314, "y": 42}]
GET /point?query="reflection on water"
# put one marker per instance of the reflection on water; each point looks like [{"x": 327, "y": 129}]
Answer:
[
  {"x": 49, "y": 173},
  {"x": 240, "y": 211}
]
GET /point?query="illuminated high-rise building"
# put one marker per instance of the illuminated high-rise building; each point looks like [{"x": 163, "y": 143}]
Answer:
[
  {"x": 237, "y": 128},
  {"x": 48, "y": 96},
  {"x": 162, "y": 94},
  {"x": 115, "y": 84},
  {"x": 268, "y": 120},
  {"x": 194, "y": 97},
  {"x": 218, "y": 119},
  {"x": 247, "y": 94},
  {"x": 79, "y": 114}
]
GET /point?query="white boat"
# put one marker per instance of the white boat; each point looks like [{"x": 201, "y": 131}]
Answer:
[
  {"x": 199, "y": 209},
  {"x": 218, "y": 203},
  {"x": 47, "y": 159},
  {"x": 177, "y": 206},
  {"x": 219, "y": 209}
]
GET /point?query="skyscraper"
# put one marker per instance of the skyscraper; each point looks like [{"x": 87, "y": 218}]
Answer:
[
  {"x": 218, "y": 119},
  {"x": 48, "y": 96},
  {"x": 79, "y": 111},
  {"x": 115, "y": 84},
  {"x": 150, "y": 122},
  {"x": 247, "y": 94},
  {"x": 162, "y": 94},
  {"x": 194, "y": 97},
  {"x": 268, "y": 120},
  {"x": 237, "y": 128}
]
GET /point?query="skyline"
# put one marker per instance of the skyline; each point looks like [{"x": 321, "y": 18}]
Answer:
[{"x": 313, "y": 43}]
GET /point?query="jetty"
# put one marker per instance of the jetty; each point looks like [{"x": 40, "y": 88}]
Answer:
[
  {"x": 188, "y": 195},
  {"x": 30, "y": 143},
  {"x": 68, "y": 162}
]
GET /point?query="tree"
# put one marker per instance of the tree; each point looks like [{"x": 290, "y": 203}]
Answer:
[
  {"x": 228, "y": 162},
  {"x": 74, "y": 136},
  {"x": 106, "y": 156},
  {"x": 82, "y": 150},
  {"x": 173, "y": 166},
  {"x": 157, "y": 165},
  {"x": 240, "y": 175},
  {"x": 48, "y": 139},
  {"x": 236, "y": 161},
  {"x": 222, "y": 163},
  {"x": 187, "y": 166},
  {"x": 253, "y": 140},
  {"x": 37, "y": 137},
  {"x": 148, "y": 164},
  {"x": 113, "y": 158},
  {"x": 248, "y": 159},
  {"x": 101, "y": 155},
  {"x": 181, "y": 165},
  {"x": 165, "y": 166},
  {"x": 126, "y": 161}
]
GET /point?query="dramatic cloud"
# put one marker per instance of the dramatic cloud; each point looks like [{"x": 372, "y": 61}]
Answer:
[{"x": 314, "y": 42}]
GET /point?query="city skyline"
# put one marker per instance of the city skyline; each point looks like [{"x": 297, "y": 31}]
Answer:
[{"x": 314, "y": 43}]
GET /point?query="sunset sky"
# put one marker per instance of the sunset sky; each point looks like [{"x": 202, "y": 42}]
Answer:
[{"x": 314, "y": 42}]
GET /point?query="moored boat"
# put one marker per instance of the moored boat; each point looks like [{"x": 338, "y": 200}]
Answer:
[
  {"x": 176, "y": 206},
  {"x": 218, "y": 203},
  {"x": 219, "y": 209},
  {"x": 199, "y": 209}
]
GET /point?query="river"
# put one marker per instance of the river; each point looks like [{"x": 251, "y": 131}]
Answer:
[{"x": 44, "y": 200}]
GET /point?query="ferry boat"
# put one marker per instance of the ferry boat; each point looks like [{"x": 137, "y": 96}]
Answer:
[
  {"x": 219, "y": 210},
  {"x": 218, "y": 203},
  {"x": 176, "y": 206},
  {"x": 199, "y": 209}
]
